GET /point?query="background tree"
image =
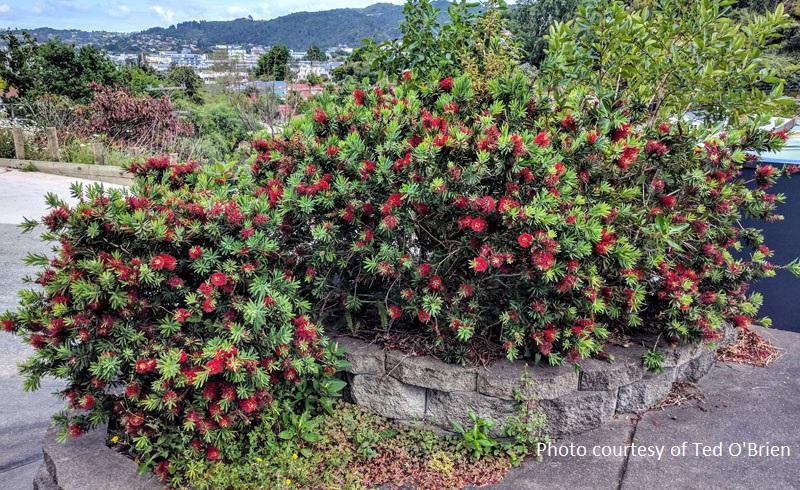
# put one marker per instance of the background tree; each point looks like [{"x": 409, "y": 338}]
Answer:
[
  {"x": 358, "y": 66},
  {"x": 17, "y": 60},
  {"x": 530, "y": 22},
  {"x": 273, "y": 63},
  {"x": 314, "y": 53},
  {"x": 185, "y": 75},
  {"x": 137, "y": 78},
  {"x": 661, "y": 60}
]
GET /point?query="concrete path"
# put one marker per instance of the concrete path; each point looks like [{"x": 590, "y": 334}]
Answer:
[
  {"x": 24, "y": 417},
  {"x": 746, "y": 435}
]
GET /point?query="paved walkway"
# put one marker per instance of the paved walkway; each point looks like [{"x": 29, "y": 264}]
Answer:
[
  {"x": 746, "y": 435},
  {"x": 24, "y": 417}
]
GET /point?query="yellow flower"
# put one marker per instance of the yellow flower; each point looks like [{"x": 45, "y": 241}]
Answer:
[
  {"x": 258, "y": 460},
  {"x": 115, "y": 439},
  {"x": 288, "y": 481},
  {"x": 294, "y": 456}
]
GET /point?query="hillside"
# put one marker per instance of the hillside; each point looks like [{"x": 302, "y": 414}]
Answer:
[{"x": 298, "y": 31}]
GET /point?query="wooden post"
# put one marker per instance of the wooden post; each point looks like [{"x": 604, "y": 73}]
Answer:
[
  {"x": 99, "y": 158},
  {"x": 19, "y": 143},
  {"x": 52, "y": 144}
]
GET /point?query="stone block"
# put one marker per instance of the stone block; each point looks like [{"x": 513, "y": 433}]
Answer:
[
  {"x": 429, "y": 372},
  {"x": 502, "y": 377},
  {"x": 364, "y": 358},
  {"x": 388, "y": 397},
  {"x": 447, "y": 407},
  {"x": 578, "y": 412},
  {"x": 679, "y": 354},
  {"x": 85, "y": 463},
  {"x": 626, "y": 368},
  {"x": 644, "y": 394},
  {"x": 698, "y": 367},
  {"x": 729, "y": 334}
]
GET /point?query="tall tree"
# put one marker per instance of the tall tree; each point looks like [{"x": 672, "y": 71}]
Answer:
[
  {"x": 17, "y": 61},
  {"x": 314, "y": 53},
  {"x": 185, "y": 75},
  {"x": 530, "y": 21},
  {"x": 273, "y": 63}
]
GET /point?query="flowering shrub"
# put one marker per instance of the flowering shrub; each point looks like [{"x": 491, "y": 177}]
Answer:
[
  {"x": 504, "y": 217},
  {"x": 169, "y": 307}
]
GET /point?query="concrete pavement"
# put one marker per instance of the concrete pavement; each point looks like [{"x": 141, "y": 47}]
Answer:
[{"x": 24, "y": 417}]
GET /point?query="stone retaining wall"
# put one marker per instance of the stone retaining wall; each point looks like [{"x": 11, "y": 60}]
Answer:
[{"x": 423, "y": 389}]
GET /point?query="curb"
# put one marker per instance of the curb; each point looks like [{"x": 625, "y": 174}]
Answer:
[
  {"x": 103, "y": 173},
  {"x": 86, "y": 463}
]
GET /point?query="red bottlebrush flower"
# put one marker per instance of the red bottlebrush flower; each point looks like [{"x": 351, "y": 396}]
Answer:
[
  {"x": 542, "y": 259},
  {"x": 423, "y": 315},
  {"x": 407, "y": 294},
  {"x": 75, "y": 431},
  {"x": 525, "y": 240},
  {"x": 780, "y": 134},
  {"x": 212, "y": 453},
  {"x": 435, "y": 283},
  {"x": 389, "y": 222},
  {"x": 86, "y": 402},
  {"x": 206, "y": 289},
  {"x": 573, "y": 356},
  {"x": 741, "y": 321},
  {"x": 446, "y": 84},
  {"x": 569, "y": 123},
  {"x": 248, "y": 405},
  {"x": 629, "y": 154},
  {"x": 591, "y": 138},
  {"x": 763, "y": 175},
  {"x": 653, "y": 147},
  {"x": 424, "y": 269},
  {"x": 157, "y": 262},
  {"x": 143, "y": 366},
  {"x": 8, "y": 325},
  {"x": 218, "y": 279},
  {"x": 358, "y": 95},
  {"x": 667, "y": 201},
  {"x": 214, "y": 366},
  {"x": 229, "y": 393},
  {"x": 133, "y": 391},
  {"x": 183, "y": 357},
  {"x": 465, "y": 290},
  {"x": 174, "y": 282},
  {"x": 541, "y": 139},
  {"x": 320, "y": 116},
  {"x": 664, "y": 127},
  {"x": 460, "y": 202},
  {"x": 209, "y": 306},
  {"x": 394, "y": 312},
  {"x": 496, "y": 261},
  {"x": 136, "y": 419},
  {"x": 162, "y": 470},
  {"x": 572, "y": 265},
  {"x": 477, "y": 224},
  {"x": 479, "y": 264},
  {"x": 622, "y": 132},
  {"x": 332, "y": 151},
  {"x": 195, "y": 252},
  {"x": 406, "y": 76}
]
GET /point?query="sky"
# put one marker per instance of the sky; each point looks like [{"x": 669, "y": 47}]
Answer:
[{"x": 137, "y": 15}]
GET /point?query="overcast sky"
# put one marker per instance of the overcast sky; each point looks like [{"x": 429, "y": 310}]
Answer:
[{"x": 137, "y": 15}]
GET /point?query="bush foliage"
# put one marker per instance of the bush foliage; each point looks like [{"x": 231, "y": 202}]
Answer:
[{"x": 472, "y": 210}]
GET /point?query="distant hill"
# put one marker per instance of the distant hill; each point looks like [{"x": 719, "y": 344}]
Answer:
[{"x": 298, "y": 31}]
